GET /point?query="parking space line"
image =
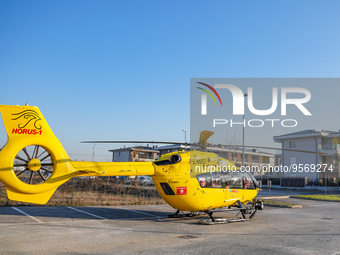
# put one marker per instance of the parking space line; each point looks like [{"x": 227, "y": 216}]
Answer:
[
  {"x": 91, "y": 214},
  {"x": 26, "y": 214}
]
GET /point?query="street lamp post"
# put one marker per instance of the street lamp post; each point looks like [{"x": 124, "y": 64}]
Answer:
[
  {"x": 185, "y": 138},
  {"x": 244, "y": 124},
  {"x": 185, "y": 135}
]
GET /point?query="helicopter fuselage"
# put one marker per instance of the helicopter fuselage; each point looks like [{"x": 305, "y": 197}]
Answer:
[{"x": 185, "y": 188}]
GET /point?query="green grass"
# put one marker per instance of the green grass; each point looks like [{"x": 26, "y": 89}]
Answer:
[
  {"x": 322, "y": 197},
  {"x": 277, "y": 203}
]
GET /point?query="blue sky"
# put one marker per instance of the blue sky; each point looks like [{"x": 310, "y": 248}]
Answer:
[{"x": 121, "y": 69}]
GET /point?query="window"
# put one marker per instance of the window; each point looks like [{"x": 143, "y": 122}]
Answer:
[
  {"x": 227, "y": 180},
  {"x": 209, "y": 180},
  {"x": 255, "y": 159},
  {"x": 292, "y": 160},
  {"x": 234, "y": 180},
  {"x": 265, "y": 160},
  {"x": 246, "y": 157},
  {"x": 248, "y": 181},
  {"x": 292, "y": 144}
]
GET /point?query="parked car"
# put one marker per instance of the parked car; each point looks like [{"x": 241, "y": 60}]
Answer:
[
  {"x": 144, "y": 180},
  {"x": 122, "y": 179},
  {"x": 130, "y": 179}
]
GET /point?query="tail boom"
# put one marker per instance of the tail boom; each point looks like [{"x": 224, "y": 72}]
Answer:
[
  {"x": 27, "y": 128},
  {"x": 89, "y": 168}
]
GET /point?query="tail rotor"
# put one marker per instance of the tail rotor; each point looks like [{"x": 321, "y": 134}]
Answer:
[{"x": 33, "y": 164}]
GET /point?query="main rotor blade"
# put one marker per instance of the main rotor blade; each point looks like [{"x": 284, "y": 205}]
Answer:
[
  {"x": 272, "y": 148},
  {"x": 157, "y": 142}
]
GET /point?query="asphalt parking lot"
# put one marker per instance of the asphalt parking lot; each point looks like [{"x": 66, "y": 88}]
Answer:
[{"x": 313, "y": 229}]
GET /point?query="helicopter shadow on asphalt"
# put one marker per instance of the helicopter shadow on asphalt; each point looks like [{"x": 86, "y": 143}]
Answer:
[{"x": 45, "y": 214}]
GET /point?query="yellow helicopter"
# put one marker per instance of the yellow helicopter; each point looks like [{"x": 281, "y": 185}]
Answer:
[{"x": 33, "y": 164}]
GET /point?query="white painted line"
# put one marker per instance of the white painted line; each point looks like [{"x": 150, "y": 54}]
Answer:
[
  {"x": 148, "y": 214},
  {"x": 26, "y": 214},
  {"x": 99, "y": 217},
  {"x": 273, "y": 197}
]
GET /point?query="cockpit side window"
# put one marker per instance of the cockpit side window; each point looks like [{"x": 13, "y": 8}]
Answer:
[
  {"x": 248, "y": 181},
  {"x": 204, "y": 180},
  {"x": 225, "y": 180},
  {"x": 234, "y": 180}
]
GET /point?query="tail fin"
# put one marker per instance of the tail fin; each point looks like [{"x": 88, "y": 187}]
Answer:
[
  {"x": 33, "y": 163},
  {"x": 24, "y": 121}
]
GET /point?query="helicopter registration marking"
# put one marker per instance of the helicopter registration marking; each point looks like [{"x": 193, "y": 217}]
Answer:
[{"x": 182, "y": 190}]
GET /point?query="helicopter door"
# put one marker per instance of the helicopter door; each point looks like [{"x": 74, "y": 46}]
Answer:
[
  {"x": 212, "y": 193},
  {"x": 233, "y": 183}
]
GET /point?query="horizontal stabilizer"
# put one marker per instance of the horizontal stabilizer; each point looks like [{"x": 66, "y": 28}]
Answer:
[{"x": 40, "y": 198}]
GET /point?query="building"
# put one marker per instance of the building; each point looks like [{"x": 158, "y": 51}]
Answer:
[
  {"x": 172, "y": 148},
  {"x": 132, "y": 154},
  {"x": 320, "y": 166},
  {"x": 255, "y": 161}
]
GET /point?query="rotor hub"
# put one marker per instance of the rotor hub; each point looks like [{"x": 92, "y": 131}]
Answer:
[{"x": 34, "y": 164}]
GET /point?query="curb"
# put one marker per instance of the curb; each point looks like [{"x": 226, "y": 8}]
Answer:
[
  {"x": 284, "y": 206},
  {"x": 315, "y": 199}
]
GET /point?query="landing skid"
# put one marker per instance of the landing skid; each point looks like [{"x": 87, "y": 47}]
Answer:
[
  {"x": 180, "y": 214},
  {"x": 220, "y": 221},
  {"x": 243, "y": 210}
]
